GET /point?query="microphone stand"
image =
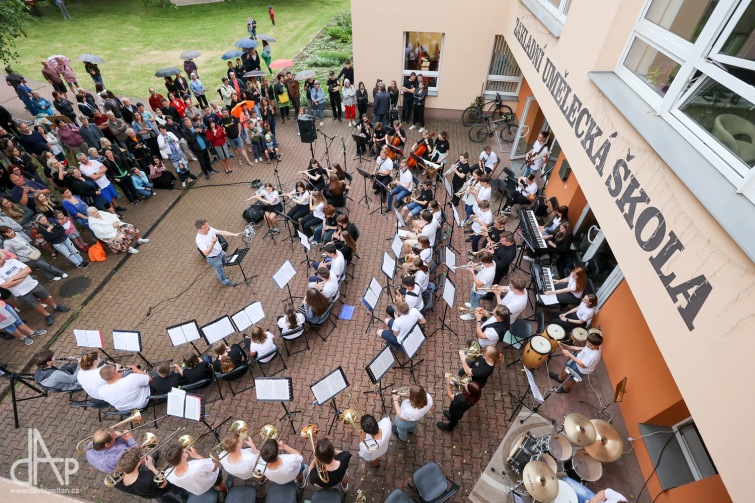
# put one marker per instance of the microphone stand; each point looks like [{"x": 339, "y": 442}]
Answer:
[
  {"x": 551, "y": 392},
  {"x": 328, "y": 141}
]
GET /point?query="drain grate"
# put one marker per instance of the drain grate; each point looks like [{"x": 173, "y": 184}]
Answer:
[{"x": 74, "y": 287}]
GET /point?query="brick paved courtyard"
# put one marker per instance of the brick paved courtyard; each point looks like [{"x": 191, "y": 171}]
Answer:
[{"x": 168, "y": 282}]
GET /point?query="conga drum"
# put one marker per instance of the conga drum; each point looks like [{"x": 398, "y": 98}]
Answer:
[
  {"x": 579, "y": 334},
  {"x": 536, "y": 352},
  {"x": 595, "y": 331},
  {"x": 583, "y": 468},
  {"x": 555, "y": 334}
]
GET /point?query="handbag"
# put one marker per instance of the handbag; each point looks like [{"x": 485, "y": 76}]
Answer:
[
  {"x": 283, "y": 98},
  {"x": 97, "y": 252},
  {"x": 35, "y": 254}
]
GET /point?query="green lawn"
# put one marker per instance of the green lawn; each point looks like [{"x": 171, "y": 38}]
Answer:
[{"x": 135, "y": 40}]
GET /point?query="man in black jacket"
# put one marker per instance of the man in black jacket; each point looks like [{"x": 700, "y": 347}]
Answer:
[
  {"x": 334, "y": 93},
  {"x": 503, "y": 256},
  {"x": 382, "y": 106},
  {"x": 195, "y": 137}
]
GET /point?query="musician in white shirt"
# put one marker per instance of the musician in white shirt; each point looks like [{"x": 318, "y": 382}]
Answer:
[
  {"x": 410, "y": 293},
  {"x": 260, "y": 343},
  {"x": 327, "y": 283},
  {"x": 198, "y": 475},
  {"x": 237, "y": 460},
  {"x": 515, "y": 299},
  {"x": 525, "y": 193},
  {"x": 399, "y": 328},
  {"x": 273, "y": 205},
  {"x": 404, "y": 188},
  {"x": 471, "y": 198},
  {"x": 409, "y": 413},
  {"x": 584, "y": 363},
  {"x": 579, "y": 316},
  {"x": 425, "y": 253},
  {"x": 483, "y": 278},
  {"x": 286, "y": 467},
  {"x": 488, "y": 159},
  {"x": 428, "y": 227},
  {"x": 376, "y": 435},
  {"x": 536, "y": 158},
  {"x": 483, "y": 218},
  {"x": 334, "y": 261},
  {"x": 492, "y": 330},
  {"x": 383, "y": 171}
]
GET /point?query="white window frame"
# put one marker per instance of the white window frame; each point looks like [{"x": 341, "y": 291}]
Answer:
[
  {"x": 431, "y": 91},
  {"x": 688, "y": 454},
  {"x": 557, "y": 12},
  {"x": 700, "y": 56},
  {"x": 491, "y": 77}
]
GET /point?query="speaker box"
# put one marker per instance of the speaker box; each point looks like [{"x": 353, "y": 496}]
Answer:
[
  {"x": 307, "y": 130},
  {"x": 254, "y": 213},
  {"x": 393, "y": 114},
  {"x": 541, "y": 207}
]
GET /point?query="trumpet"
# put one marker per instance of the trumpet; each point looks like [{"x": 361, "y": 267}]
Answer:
[
  {"x": 464, "y": 190},
  {"x": 487, "y": 249},
  {"x": 452, "y": 168},
  {"x": 466, "y": 222},
  {"x": 349, "y": 417},
  {"x": 472, "y": 310},
  {"x": 267, "y": 432},
  {"x": 240, "y": 428},
  {"x": 135, "y": 417},
  {"x": 311, "y": 431},
  {"x": 470, "y": 265},
  {"x": 402, "y": 391},
  {"x": 186, "y": 442},
  {"x": 151, "y": 444}
]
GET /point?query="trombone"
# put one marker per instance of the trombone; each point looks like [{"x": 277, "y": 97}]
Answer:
[
  {"x": 150, "y": 443},
  {"x": 238, "y": 427},
  {"x": 310, "y": 431},
  {"x": 186, "y": 442},
  {"x": 470, "y": 265},
  {"x": 472, "y": 310},
  {"x": 135, "y": 417},
  {"x": 459, "y": 381},
  {"x": 267, "y": 432},
  {"x": 487, "y": 249},
  {"x": 349, "y": 416}
]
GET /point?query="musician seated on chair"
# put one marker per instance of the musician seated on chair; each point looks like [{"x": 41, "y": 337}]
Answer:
[
  {"x": 198, "y": 475},
  {"x": 482, "y": 220},
  {"x": 335, "y": 192},
  {"x": 483, "y": 278},
  {"x": 228, "y": 357},
  {"x": 441, "y": 148},
  {"x": 344, "y": 225},
  {"x": 580, "y": 315},
  {"x": 139, "y": 474},
  {"x": 427, "y": 226},
  {"x": 503, "y": 256},
  {"x": 525, "y": 193},
  {"x": 399, "y": 327},
  {"x": 434, "y": 208},
  {"x": 515, "y": 297},
  {"x": 315, "y": 306},
  {"x": 427, "y": 141},
  {"x": 424, "y": 253},
  {"x": 585, "y": 495},
  {"x": 482, "y": 367},
  {"x": 89, "y": 374},
  {"x": 166, "y": 377},
  {"x": 493, "y": 233},
  {"x": 345, "y": 244},
  {"x": 374, "y": 433},
  {"x": 419, "y": 203},
  {"x": 383, "y": 173},
  {"x": 291, "y": 319},
  {"x": 286, "y": 467},
  {"x": 404, "y": 187},
  {"x": 240, "y": 457},
  {"x": 410, "y": 293},
  {"x": 125, "y": 390},
  {"x": 583, "y": 363},
  {"x": 379, "y": 136},
  {"x": 107, "y": 447},
  {"x": 334, "y": 261},
  {"x": 326, "y": 283},
  {"x": 559, "y": 215},
  {"x": 536, "y": 158},
  {"x": 398, "y": 132},
  {"x": 488, "y": 160},
  {"x": 576, "y": 283},
  {"x": 420, "y": 273},
  {"x": 315, "y": 175},
  {"x": 491, "y": 330},
  {"x": 557, "y": 244},
  {"x": 260, "y": 343},
  {"x": 195, "y": 370},
  {"x": 47, "y": 375}
]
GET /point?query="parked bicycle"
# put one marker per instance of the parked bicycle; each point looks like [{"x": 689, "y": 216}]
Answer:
[
  {"x": 482, "y": 110},
  {"x": 506, "y": 126}
]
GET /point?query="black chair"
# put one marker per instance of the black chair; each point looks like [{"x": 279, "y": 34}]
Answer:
[
  {"x": 432, "y": 485},
  {"x": 540, "y": 320},
  {"x": 591, "y": 268},
  {"x": 281, "y": 493},
  {"x": 398, "y": 496},
  {"x": 519, "y": 332},
  {"x": 241, "y": 494},
  {"x": 126, "y": 413},
  {"x": 211, "y": 496},
  {"x": 325, "y": 319},
  {"x": 589, "y": 287},
  {"x": 272, "y": 354},
  {"x": 331, "y": 495},
  {"x": 291, "y": 336},
  {"x": 234, "y": 374},
  {"x": 91, "y": 403}
]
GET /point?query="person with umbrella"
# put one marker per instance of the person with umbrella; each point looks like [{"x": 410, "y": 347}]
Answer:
[
  {"x": 267, "y": 54},
  {"x": 251, "y": 60},
  {"x": 182, "y": 86},
  {"x": 94, "y": 71},
  {"x": 50, "y": 74},
  {"x": 190, "y": 66},
  {"x": 66, "y": 70},
  {"x": 282, "y": 98},
  {"x": 169, "y": 84}
]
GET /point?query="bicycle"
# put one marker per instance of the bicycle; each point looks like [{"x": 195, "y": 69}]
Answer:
[
  {"x": 506, "y": 126},
  {"x": 480, "y": 110}
]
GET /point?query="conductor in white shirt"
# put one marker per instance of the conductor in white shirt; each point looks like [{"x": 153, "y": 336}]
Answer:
[{"x": 207, "y": 242}]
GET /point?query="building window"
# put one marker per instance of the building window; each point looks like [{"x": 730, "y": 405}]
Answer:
[
  {"x": 552, "y": 13},
  {"x": 504, "y": 75},
  {"x": 694, "y": 62},
  {"x": 559, "y": 8},
  {"x": 422, "y": 54}
]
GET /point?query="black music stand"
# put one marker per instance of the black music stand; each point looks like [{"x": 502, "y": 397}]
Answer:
[
  {"x": 449, "y": 295},
  {"x": 361, "y": 141},
  {"x": 371, "y": 298},
  {"x": 26, "y": 380},
  {"x": 335, "y": 380},
  {"x": 235, "y": 260},
  {"x": 376, "y": 369},
  {"x": 411, "y": 345},
  {"x": 130, "y": 340},
  {"x": 328, "y": 141},
  {"x": 277, "y": 389},
  {"x": 365, "y": 176},
  {"x": 383, "y": 188},
  {"x": 289, "y": 226}
]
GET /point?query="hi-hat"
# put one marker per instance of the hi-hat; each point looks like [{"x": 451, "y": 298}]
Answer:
[
  {"x": 608, "y": 445},
  {"x": 580, "y": 430},
  {"x": 540, "y": 481}
]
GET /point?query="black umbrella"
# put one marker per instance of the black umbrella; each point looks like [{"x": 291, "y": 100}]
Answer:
[
  {"x": 190, "y": 54},
  {"x": 167, "y": 72},
  {"x": 254, "y": 73}
]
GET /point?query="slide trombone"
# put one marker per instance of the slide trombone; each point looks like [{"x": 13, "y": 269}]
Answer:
[
  {"x": 267, "y": 432},
  {"x": 470, "y": 265},
  {"x": 186, "y": 442},
  {"x": 151, "y": 444},
  {"x": 310, "y": 431},
  {"x": 349, "y": 416},
  {"x": 135, "y": 417},
  {"x": 240, "y": 428},
  {"x": 472, "y": 310}
]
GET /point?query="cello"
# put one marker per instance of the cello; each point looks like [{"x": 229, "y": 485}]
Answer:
[
  {"x": 419, "y": 151},
  {"x": 394, "y": 144}
]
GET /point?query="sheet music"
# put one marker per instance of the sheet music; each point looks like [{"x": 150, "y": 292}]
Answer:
[
  {"x": 233, "y": 258},
  {"x": 248, "y": 316},
  {"x": 193, "y": 407},
  {"x": 304, "y": 240},
  {"x": 549, "y": 299},
  {"x": 176, "y": 400},
  {"x": 396, "y": 245},
  {"x": 181, "y": 334},
  {"x": 88, "y": 338},
  {"x": 375, "y": 287},
  {"x": 371, "y": 299},
  {"x": 400, "y": 220},
  {"x": 255, "y": 312},
  {"x": 449, "y": 293},
  {"x": 218, "y": 329},
  {"x": 127, "y": 341},
  {"x": 533, "y": 385},
  {"x": 389, "y": 265},
  {"x": 403, "y": 233},
  {"x": 456, "y": 216},
  {"x": 275, "y": 389},
  {"x": 450, "y": 258},
  {"x": 449, "y": 187},
  {"x": 382, "y": 363},
  {"x": 329, "y": 386},
  {"x": 284, "y": 274},
  {"x": 413, "y": 341}
]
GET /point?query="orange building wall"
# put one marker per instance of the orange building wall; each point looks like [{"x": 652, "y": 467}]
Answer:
[
  {"x": 629, "y": 349},
  {"x": 567, "y": 192}
]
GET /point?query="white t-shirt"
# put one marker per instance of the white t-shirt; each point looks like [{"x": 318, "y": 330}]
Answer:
[
  {"x": 198, "y": 479},
  {"x": 91, "y": 381},
  {"x": 486, "y": 275},
  {"x": 529, "y": 189},
  {"x": 405, "y": 177},
  {"x": 385, "y": 439},
  {"x": 283, "y": 322},
  {"x": 271, "y": 198},
  {"x": 330, "y": 287},
  {"x": 469, "y": 199},
  {"x": 429, "y": 230},
  {"x": 572, "y": 285},
  {"x": 426, "y": 254},
  {"x": 589, "y": 358},
  {"x": 10, "y": 269},
  {"x": 483, "y": 217},
  {"x": 338, "y": 265},
  {"x": 437, "y": 216},
  {"x": 128, "y": 392},
  {"x": 404, "y": 323},
  {"x": 318, "y": 212},
  {"x": 414, "y": 298},
  {"x": 422, "y": 280},
  {"x": 302, "y": 198},
  {"x": 483, "y": 194},
  {"x": 245, "y": 468},
  {"x": 205, "y": 240},
  {"x": 490, "y": 333},
  {"x": 409, "y": 413},
  {"x": 515, "y": 303},
  {"x": 287, "y": 471},
  {"x": 585, "y": 313},
  {"x": 488, "y": 160},
  {"x": 614, "y": 497},
  {"x": 385, "y": 166},
  {"x": 538, "y": 163},
  {"x": 92, "y": 168},
  {"x": 264, "y": 348}
]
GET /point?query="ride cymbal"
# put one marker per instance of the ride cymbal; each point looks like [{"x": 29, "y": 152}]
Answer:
[
  {"x": 580, "y": 430},
  {"x": 540, "y": 481},
  {"x": 608, "y": 445}
]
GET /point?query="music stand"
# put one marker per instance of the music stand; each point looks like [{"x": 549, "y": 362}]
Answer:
[
  {"x": 235, "y": 260},
  {"x": 449, "y": 295},
  {"x": 377, "y": 368},
  {"x": 183, "y": 333},
  {"x": 371, "y": 298},
  {"x": 245, "y": 318},
  {"x": 217, "y": 330},
  {"x": 92, "y": 339},
  {"x": 383, "y": 188},
  {"x": 532, "y": 389},
  {"x": 131, "y": 341},
  {"x": 571, "y": 375},
  {"x": 188, "y": 406},
  {"x": 289, "y": 226},
  {"x": 411, "y": 344},
  {"x": 326, "y": 388},
  {"x": 449, "y": 191},
  {"x": 277, "y": 389},
  {"x": 304, "y": 240},
  {"x": 455, "y": 222},
  {"x": 26, "y": 380},
  {"x": 283, "y": 277},
  {"x": 388, "y": 267},
  {"x": 365, "y": 176},
  {"x": 618, "y": 397}
]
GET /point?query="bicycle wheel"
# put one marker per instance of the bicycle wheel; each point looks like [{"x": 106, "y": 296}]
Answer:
[
  {"x": 471, "y": 116},
  {"x": 497, "y": 111},
  {"x": 479, "y": 132},
  {"x": 508, "y": 132}
]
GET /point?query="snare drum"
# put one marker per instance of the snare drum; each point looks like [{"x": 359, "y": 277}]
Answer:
[
  {"x": 554, "y": 333},
  {"x": 583, "y": 468},
  {"x": 565, "y": 493},
  {"x": 557, "y": 446},
  {"x": 579, "y": 334},
  {"x": 536, "y": 352},
  {"x": 548, "y": 460},
  {"x": 525, "y": 448}
]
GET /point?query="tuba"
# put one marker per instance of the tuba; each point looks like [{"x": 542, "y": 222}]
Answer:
[
  {"x": 267, "y": 432},
  {"x": 135, "y": 417},
  {"x": 349, "y": 416},
  {"x": 240, "y": 428},
  {"x": 112, "y": 478},
  {"x": 311, "y": 431}
]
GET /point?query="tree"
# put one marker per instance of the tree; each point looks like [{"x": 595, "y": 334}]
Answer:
[{"x": 13, "y": 19}]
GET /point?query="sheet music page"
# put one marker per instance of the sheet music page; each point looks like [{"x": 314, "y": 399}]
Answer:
[
  {"x": 126, "y": 341},
  {"x": 533, "y": 385},
  {"x": 304, "y": 240},
  {"x": 242, "y": 321},
  {"x": 402, "y": 233},
  {"x": 371, "y": 298},
  {"x": 217, "y": 330},
  {"x": 456, "y": 216},
  {"x": 328, "y": 387},
  {"x": 193, "y": 407},
  {"x": 389, "y": 265},
  {"x": 289, "y": 270},
  {"x": 176, "y": 400},
  {"x": 176, "y": 335},
  {"x": 400, "y": 220},
  {"x": 450, "y": 258},
  {"x": 233, "y": 258},
  {"x": 280, "y": 278},
  {"x": 375, "y": 287},
  {"x": 383, "y": 363},
  {"x": 88, "y": 338},
  {"x": 255, "y": 312},
  {"x": 549, "y": 299},
  {"x": 449, "y": 293},
  {"x": 191, "y": 331},
  {"x": 396, "y": 246},
  {"x": 413, "y": 341},
  {"x": 95, "y": 338},
  {"x": 273, "y": 389}
]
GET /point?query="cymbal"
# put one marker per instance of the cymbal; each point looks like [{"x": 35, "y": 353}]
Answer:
[
  {"x": 608, "y": 446},
  {"x": 540, "y": 481},
  {"x": 579, "y": 429}
]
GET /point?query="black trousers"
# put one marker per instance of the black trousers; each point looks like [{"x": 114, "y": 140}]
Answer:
[
  {"x": 362, "y": 108},
  {"x": 335, "y": 105},
  {"x": 517, "y": 198},
  {"x": 419, "y": 115},
  {"x": 201, "y": 100},
  {"x": 308, "y": 224},
  {"x": 203, "y": 157},
  {"x": 297, "y": 212},
  {"x": 406, "y": 111},
  {"x": 384, "y": 179},
  {"x": 127, "y": 187}
]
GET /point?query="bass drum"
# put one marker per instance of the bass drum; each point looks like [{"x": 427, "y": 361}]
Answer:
[
  {"x": 565, "y": 493},
  {"x": 524, "y": 449},
  {"x": 536, "y": 352},
  {"x": 583, "y": 468}
]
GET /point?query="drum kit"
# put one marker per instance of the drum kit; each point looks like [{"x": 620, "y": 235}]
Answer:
[
  {"x": 581, "y": 446},
  {"x": 540, "y": 347}
]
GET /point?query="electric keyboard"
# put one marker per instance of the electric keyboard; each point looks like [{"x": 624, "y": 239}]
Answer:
[
  {"x": 544, "y": 278},
  {"x": 531, "y": 230}
]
